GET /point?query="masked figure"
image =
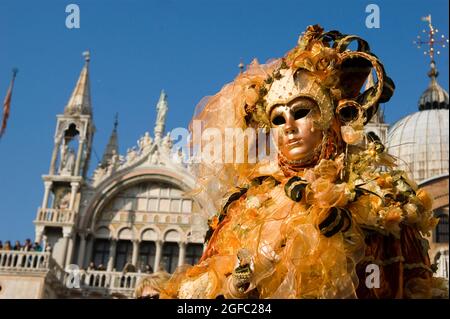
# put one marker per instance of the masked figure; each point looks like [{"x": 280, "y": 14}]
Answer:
[{"x": 330, "y": 216}]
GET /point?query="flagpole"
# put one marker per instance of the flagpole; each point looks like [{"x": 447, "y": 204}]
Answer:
[
  {"x": 7, "y": 102},
  {"x": 14, "y": 73}
]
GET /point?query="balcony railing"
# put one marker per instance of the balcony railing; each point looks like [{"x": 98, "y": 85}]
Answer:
[
  {"x": 28, "y": 261},
  {"x": 103, "y": 282},
  {"x": 100, "y": 282},
  {"x": 55, "y": 216}
]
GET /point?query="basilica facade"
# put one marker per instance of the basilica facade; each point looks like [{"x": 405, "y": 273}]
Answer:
[{"x": 102, "y": 233}]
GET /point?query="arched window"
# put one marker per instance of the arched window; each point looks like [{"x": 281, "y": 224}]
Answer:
[
  {"x": 153, "y": 197},
  {"x": 101, "y": 253},
  {"x": 442, "y": 229},
  {"x": 193, "y": 253},
  {"x": 147, "y": 251},
  {"x": 68, "y": 150},
  {"x": 124, "y": 252},
  {"x": 170, "y": 256}
]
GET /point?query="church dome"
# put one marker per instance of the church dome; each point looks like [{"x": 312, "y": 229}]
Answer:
[
  {"x": 420, "y": 140},
  {"x": 420, "y": 143}
]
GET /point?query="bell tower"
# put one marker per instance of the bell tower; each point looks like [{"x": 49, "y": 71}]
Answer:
[{"x": 74, "y": 132}]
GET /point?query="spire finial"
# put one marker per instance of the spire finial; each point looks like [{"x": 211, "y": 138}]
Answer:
[
  {"x": 116, "y": 121},
  {"x": 112, "y": 148},
  {"x": 14, "y": 72},
  {"x": 87, "y": 56},
  {"x": 432, "y": 41},
  {"x": 241, "y": 67}
]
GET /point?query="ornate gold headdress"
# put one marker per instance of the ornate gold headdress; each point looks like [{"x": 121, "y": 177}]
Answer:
[
  {"x": 323, "y": 68},
  {"x": 320, "y": 67}
]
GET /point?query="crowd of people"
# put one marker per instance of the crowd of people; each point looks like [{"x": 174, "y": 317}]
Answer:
[
  {"x": 28, "y": 245},
  {"x": 10, "y": 259}
]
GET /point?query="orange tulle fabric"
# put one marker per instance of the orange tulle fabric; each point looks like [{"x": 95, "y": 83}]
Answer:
[{"x": 293, "y": 259}]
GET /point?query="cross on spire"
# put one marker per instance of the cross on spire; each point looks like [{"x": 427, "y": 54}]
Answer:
[
  {"x": 432, "y": 41},
  {"x": 434, "y": 97}
]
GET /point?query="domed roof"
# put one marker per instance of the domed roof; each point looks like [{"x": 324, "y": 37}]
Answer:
[
  {"x": 434, "y": 97},
  {"x": 420, "y": 142}
]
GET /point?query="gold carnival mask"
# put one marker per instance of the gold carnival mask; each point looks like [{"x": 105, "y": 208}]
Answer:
[
  {"x": 300, "y": 83},
  {"x": 300, "y": 111},
  {"x": 295, "y": 132}
]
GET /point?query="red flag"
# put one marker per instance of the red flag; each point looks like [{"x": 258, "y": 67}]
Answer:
[{"x": 7, "y": 104}]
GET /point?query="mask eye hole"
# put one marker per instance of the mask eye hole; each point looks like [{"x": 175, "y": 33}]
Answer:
[
  {"x": 278, "y": 120},
  {"x": 301, "y": 113}
]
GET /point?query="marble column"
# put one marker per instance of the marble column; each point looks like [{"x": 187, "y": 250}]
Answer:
[
  {"x": 62, "y": 257},
  {"x": 47, "y": 185},
  {"x": 54, "y": 155},
  {"x": 70, "y": 246},
  {"x": 79, "y": 156},
  {"x": 158, "y": 254},
  {"x": 112, "y": 255},
  {"x": 134, "y": 258},
  {"x": 44, "y": 243},
  {"x": 81, "y": 250},
  {"x": 182, "y": 253},
  {"x": 89, "y": 251},
  {"x": 39, "y": 234},
  {"x": 74, "y": 186}
]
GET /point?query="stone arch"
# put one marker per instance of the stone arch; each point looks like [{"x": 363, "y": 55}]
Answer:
[
  {"x": 150, "y": 234},
  {"x": 174, "y": 234},
  {"x": 72, "y": 124},
  {"x": 103, "y": 232},
  {"x": 111, "y": 187},
  {"x": 125, "y": 233}
]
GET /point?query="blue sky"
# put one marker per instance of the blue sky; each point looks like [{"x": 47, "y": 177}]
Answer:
[{"x": 188, "y": 48}]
